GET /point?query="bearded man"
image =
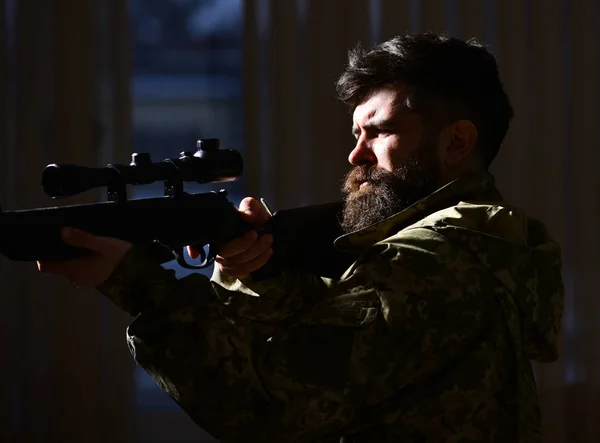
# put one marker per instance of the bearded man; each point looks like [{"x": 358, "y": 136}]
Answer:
[{"x": 427, "y": 337}]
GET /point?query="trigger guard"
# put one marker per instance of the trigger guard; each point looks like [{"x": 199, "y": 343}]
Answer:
[{"x": 205, "y": 259}]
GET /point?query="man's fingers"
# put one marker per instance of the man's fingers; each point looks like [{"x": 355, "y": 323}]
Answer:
[
  {"x": 193, "y": 252},
  {"x": 81, "y": 239},
  {"x": 100, "y": 245},
  {"x": 253, "y": 211},
  {"x": 64, "y": 268},
  {"x": 48, "y": 267},
  {"x": 255, "y": 250},
  {"x": 247, "y": 204},
  {"x": 238, "y": 245},
  {"x": 243, "y": 271}
]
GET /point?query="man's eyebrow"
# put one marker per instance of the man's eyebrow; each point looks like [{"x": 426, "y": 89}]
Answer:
[
  {"x": 381, "y": 122},
  {"x": 376, "y": 123}
]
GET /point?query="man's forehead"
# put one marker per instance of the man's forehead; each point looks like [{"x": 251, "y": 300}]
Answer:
[{"x": 383, "y": 103}]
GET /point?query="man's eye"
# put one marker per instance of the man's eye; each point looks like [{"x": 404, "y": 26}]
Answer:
[{"x": 381, "y": 131}]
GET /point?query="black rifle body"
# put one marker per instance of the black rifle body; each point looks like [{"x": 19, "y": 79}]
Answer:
[{"x": 303, "y": 237}]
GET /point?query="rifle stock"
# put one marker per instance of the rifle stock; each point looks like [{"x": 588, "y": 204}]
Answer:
[{"x": 303, "y": 237}]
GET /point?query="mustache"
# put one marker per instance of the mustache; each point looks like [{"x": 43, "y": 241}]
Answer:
[{"x": 360, "y": 174}]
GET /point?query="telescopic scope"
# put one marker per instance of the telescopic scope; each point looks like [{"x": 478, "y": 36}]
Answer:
[{"x": 208, "y": 164}]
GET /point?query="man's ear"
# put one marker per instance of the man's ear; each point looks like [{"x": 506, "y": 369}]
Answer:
[{"x": 458, "y": 141}]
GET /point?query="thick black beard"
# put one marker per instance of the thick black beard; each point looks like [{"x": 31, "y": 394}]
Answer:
[{"x": 388, "y": 192}]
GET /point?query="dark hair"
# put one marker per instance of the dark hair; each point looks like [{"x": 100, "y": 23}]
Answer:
[{"x": 448, "y": 80}]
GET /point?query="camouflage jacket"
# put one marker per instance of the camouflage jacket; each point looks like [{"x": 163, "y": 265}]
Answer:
[{"x": 427, "y": 337}]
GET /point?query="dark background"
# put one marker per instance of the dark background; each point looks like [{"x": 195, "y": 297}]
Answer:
[{"x": 156, "y": 75}]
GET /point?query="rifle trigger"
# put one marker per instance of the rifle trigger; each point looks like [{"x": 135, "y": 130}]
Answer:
[{"x": 205, "y": 261}]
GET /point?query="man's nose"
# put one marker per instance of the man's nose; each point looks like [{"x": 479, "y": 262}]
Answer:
[{"x": 362, "y": 154}]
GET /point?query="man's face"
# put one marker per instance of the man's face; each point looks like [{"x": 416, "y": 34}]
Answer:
[{"x": 396, "y": 160}]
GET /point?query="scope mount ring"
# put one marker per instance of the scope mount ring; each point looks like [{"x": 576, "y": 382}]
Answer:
[
  {"x": 117, "y": 192},
  {"x": 173, "y": 187}
]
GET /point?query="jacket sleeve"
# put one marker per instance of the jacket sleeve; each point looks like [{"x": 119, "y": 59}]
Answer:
[
  {"x": 272, "y": 301},
  {"x": 302, "y": 378}
]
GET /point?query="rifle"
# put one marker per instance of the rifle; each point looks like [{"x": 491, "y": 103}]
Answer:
[{"x": 303, "y": 237}]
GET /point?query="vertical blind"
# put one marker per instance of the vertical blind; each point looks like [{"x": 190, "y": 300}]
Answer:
[{"x": 66, "y": 375}]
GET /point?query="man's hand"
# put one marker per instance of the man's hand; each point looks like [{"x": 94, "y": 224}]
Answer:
[
  {"x": 92, "y": 270},
  {"x": 250, "y": 252}
]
